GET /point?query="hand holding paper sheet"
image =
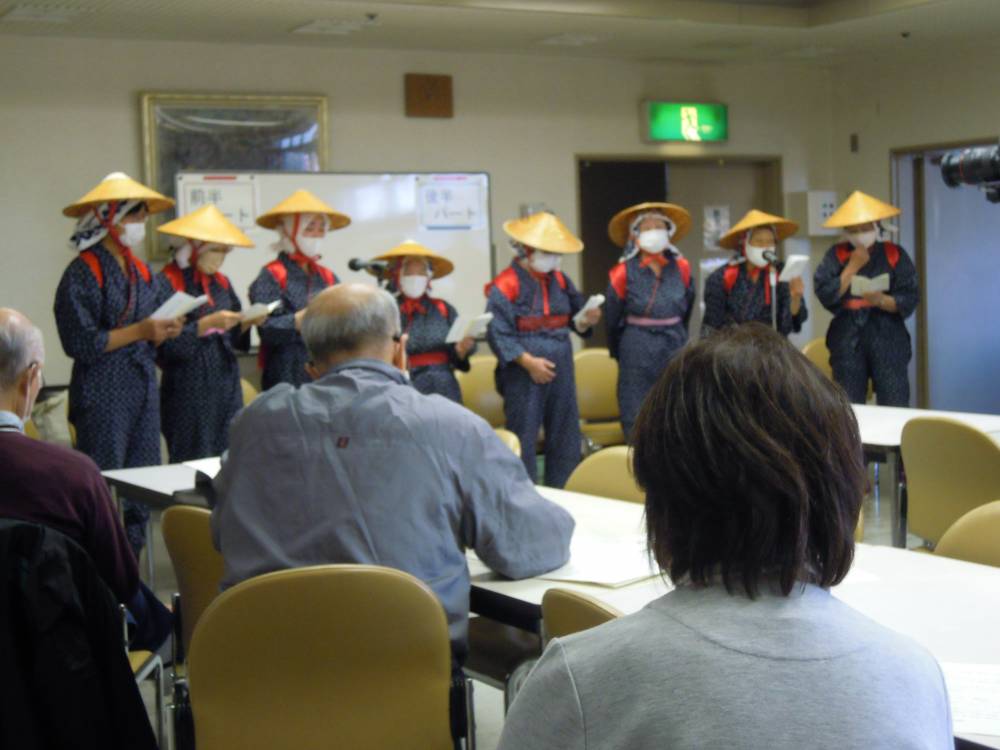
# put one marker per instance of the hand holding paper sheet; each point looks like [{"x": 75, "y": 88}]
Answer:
[
  {"x": 795, "y": 266},
  {"x": 179, "y": 305},
  {"x": 595, "y": 301},
  {"x": 862, "y": 285},
  {"x": 261, "y": 310},
  {"x": 466, "y": 326}
]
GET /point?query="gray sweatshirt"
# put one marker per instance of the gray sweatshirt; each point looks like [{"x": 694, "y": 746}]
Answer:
[{"x": 699, "y": 668}]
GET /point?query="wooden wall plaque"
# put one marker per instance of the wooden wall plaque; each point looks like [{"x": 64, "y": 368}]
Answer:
[{"x": 428, "y": 95}]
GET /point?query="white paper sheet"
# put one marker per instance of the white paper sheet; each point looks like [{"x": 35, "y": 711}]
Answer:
[
  {"x": 595, "y": 301},
  {"x": 974, "y": 690},
  {"x": 795, "y": 266},
  {"x": 861, "y": 285},
  {"x": 207, "y": 466},
  {"x": 467, "y": 325},
  {"x": 180, "y": 304},
  {"x": 604, "y": 562},
  {"x": 261, "y": 309}
]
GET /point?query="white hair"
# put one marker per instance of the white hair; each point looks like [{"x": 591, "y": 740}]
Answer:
[
  {"x": 374, "y": 321},
  {"x": 20, "y": 347}
]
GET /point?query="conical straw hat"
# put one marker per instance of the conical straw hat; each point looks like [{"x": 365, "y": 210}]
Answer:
[
  {"x": 302, "y": 202},
  {"x": 543, "y": 231},
  {"x": 118, "y": 186},
  {"x": 207, "y": 224},
  {"x": 860, "y": 208},
  {"x": 440, "y": 266},
  {"x": 621, "y": 222},
  {"x": 783, "y": 228}
]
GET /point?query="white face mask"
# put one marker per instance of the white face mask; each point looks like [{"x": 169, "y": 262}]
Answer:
[
  {"x": 544, "y": 262},
  {"x": 755, "y": 255},
  {"x": 210, "y": 261},
  {"x": 132, "y": 234},
  {"x": 863, "y": 239},
  {"x": 310, "y": 245},
  {"x": 413, "y": 286},
  {"x": 654, "y": 240}
]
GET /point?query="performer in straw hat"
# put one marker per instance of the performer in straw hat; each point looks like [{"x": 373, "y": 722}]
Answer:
[
  {"x": 867, "y": 337},
  {"x": 649, "y": 299},
  {"x": 302, "y": 221},
  {"x": 533, "y": 304},
  {"x": 426, "y": 320},
  {"x": 102, "y": 309},
  {"x": 741, "y": 291},
  {"x": 200, "y": 392}
]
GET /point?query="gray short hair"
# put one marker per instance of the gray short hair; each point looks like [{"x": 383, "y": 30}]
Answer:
[
  {"x": 20, "y": 346},
  {"x": 373, "y": 322}
]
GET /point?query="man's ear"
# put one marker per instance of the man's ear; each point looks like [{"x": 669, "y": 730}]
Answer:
[
  {"x": 399, "y": 358},
  {"x": 313, "y": 371}
]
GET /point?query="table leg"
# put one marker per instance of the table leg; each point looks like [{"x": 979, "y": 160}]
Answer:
[{"x": 897, "y": 497}]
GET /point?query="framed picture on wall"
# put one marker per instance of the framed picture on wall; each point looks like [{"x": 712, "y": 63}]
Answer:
[{"x": 228, "y": 132}]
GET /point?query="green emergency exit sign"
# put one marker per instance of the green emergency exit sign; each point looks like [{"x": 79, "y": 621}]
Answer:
[{"x": 686, "y": 121}]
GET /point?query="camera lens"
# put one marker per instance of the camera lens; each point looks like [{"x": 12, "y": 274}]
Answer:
[{"x": 972, "y": 166}]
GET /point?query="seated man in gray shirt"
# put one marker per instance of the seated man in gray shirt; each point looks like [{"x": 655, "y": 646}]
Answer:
[{"x": 359, "y": 467}]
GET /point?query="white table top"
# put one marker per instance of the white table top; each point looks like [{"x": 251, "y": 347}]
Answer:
[
  {"x": 882, "y": 426},
  {"x": 165, "y": 480},
  {"x": 950, "y": 607}
]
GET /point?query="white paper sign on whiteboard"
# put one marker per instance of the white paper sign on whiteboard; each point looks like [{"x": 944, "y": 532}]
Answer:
[
  {"x": 235, "y": 195},
  {"x": 451, "y": 201}
]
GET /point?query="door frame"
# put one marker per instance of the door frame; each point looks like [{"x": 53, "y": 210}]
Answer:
[{"x": 919, "y": 152}]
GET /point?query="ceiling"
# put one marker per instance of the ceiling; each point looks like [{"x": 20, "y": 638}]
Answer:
[{"x": 710, "y": 31}]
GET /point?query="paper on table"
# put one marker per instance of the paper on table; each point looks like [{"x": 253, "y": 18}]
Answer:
[
  {"x": 604, "y": 562},
  {"x": 261, "y": 309},
  {"x": 207, "y": 466},
  {"x": 178, "y": 305},
  {"x": 974, "y": 691},
  {"x": 795, "y": 266},
  {"x": 465, "y": 325},
  {"x": 862, "y": 285},
  {"x": 595, "y": 301}
]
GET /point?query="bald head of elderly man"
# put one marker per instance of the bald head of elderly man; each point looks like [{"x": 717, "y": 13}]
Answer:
[
  {"x": 432, "y": 476},
  {"x": 61, "y": 488}
]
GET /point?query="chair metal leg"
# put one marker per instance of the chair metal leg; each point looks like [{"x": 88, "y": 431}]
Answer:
[{"x": 470, "y": 717}]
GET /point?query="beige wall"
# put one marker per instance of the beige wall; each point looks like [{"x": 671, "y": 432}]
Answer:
[
  {"x": 951, "y": 99},
  {"x": 69, "y": 115}
]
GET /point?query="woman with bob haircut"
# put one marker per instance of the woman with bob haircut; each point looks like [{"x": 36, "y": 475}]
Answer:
[{"x": 752, "y": 466}]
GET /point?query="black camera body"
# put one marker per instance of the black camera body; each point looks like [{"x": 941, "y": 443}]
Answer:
[{"x": 974, "y": 166}]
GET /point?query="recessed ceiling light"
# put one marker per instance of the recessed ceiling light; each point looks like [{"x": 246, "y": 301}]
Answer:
[
  {"x": 42, "y": 14},
  {"x": 571, "y": 40}
]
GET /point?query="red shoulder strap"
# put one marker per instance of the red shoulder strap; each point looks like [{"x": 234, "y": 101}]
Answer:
[
  {"x": 277, "y": 269},
  {"x": 90, "y": 258},
  {"x": 441, "y": 306},
  {"x": 729, "y": 277},
  {"x": 843, "y": 251},
  {"x": 619, "y": 280},
  {"x": 685, "y": 268},
  {"x": 561, "y": 278},
  {"x": 175, "y": 276},
  {"x": 223, "y": 281},
  {"x": 327, "y": 275},
  {"x": 507, "y": 283},
  {"x": 143, "y": 269},
  {"x": 892, "y": 254}
]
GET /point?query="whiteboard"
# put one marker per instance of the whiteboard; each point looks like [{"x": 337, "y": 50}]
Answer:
[{"x": 447, "y": 212}]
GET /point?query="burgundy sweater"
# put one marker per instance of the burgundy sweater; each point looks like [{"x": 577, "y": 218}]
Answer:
[{"x": 63, "y": 489}]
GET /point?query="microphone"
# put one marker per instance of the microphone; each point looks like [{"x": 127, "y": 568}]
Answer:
[
  {"x": 770, "y": 257},
  {"x": 357, "y": 264}
]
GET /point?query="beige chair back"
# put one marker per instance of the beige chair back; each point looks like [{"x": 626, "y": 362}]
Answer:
[
  {"x": 479, "y": 393},
  {"x": 509, "y": 439},
  {"x": 975, "y": 537},
  {"x": 951, "y": 468},
  {"x": 331, "y": 656},
  {"x": 606, "y": 473},
  {"x": 817, "y": 353},
  {"x": 596, "y": 385},
  {"x": 565, "y": 612},
  {"x": 197, "y": 564},
  {"x": 249, "y": 391}
]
